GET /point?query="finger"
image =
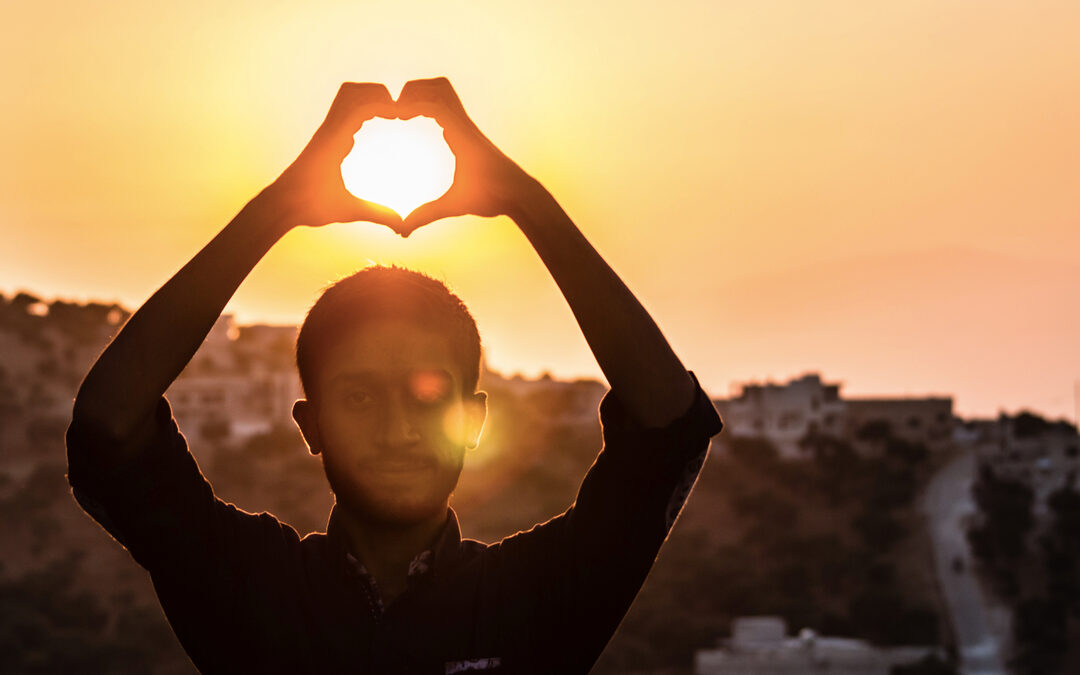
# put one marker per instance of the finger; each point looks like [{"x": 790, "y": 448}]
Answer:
[
  {"x": 428, "y": 213},
  {"x": 357, "y": 102},
  {"x": 438, "y": 100},
  {"x": 434, "y": 98},
  {"x": 361, "y": 209},
  {"x": 354, "y": 104}
]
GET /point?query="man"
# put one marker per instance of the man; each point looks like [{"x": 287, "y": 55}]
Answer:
[{"x": 389, "y": 361}]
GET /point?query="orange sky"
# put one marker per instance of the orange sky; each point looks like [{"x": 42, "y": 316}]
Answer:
[{"x": 886, "y": 194}]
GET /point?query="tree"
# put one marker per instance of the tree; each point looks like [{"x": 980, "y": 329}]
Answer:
[
  {"x": 1039, "y": 629},
  {"x": 1029, "y": 425},
  {"x": 1061, "y": 548},
  {"x": 753, "y": 451},
  {"x": 1006, "y": 509},
  {"x": 929, "y": 665}
]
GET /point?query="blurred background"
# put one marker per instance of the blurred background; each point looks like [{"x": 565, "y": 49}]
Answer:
[{"x": 856, "y": 222}]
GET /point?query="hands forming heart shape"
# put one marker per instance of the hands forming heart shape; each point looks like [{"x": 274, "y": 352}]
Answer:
[
  {"x": 486, "y": 182},
  {"x": 399, "y": 163}
]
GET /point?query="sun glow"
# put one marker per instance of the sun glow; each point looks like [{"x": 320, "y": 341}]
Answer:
[{"x": 400, "y": 164}]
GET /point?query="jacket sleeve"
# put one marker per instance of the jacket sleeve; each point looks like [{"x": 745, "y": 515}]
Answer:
[
  {"x": 211, "y": 563},
  {"x": 587, "y": 565},
  {"x": 158, "y": 504}
]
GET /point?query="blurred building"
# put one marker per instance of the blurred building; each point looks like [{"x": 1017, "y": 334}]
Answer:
[
  {"x": 786, "y": 413},
  {"x": 242, "y": 382},
  {"x": 45, "y": 351},
  {"x": 760, "y": 646},
  {"x": 919, "y": 420},
  {"x": 561, "y": 402}
]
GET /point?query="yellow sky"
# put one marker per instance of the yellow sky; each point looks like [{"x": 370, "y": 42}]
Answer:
[{"x": 886, "y": 192}]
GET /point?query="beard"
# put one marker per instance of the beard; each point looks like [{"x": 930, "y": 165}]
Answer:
[{"x": 399, "y": 502}]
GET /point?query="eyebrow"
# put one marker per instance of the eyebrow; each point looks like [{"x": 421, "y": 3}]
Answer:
[{"x": 364, "y": 377}]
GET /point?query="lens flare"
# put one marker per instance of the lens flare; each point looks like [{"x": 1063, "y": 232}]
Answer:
[
  {"x": 429, "y": 386},
  {"x": 399, "y": 163}
]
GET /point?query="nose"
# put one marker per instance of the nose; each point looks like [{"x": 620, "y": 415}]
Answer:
[{"x": 398, "y": 428}]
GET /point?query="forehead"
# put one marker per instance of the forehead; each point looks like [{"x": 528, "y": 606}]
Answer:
[{"x": 388, "y": 347}]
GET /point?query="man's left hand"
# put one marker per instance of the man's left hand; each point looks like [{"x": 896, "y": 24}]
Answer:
[{"x": 486, "y": 182}]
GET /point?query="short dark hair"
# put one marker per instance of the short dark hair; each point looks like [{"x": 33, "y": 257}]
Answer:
[{"x": 380, "y": 292}]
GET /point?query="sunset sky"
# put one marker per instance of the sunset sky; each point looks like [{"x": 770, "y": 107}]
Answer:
[{"x": 886, "y": 193}]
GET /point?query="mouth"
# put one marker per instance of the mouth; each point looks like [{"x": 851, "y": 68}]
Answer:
[{"x": 404, "y": 465}]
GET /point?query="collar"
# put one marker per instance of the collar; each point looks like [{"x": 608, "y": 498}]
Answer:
[{"x": 442, "y": 554}]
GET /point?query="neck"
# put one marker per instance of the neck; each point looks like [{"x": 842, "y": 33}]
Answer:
[{"x": 386, "y": 550}]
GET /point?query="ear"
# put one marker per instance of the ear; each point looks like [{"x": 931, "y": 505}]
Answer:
[
  {"x": 475, "y": 415},
  {"x": 304, "y": 414}
]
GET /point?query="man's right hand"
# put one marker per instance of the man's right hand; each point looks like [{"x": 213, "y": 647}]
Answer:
[{"x": 311, "y": 191}]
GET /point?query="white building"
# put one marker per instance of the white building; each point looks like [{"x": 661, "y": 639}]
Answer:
[
  {"x": 786, "y": 413},
  {"x": 569, "y": 402},
  {"x": 242, "y": 382},
  {"x": 760, "y": 646},
  {"x": 921, "y": 420}
]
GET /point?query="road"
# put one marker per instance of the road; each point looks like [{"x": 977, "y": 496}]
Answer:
[{"x": 980, "y": 626}]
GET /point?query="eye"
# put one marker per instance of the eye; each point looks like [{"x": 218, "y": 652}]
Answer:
[{"x": 358, "y": 397}]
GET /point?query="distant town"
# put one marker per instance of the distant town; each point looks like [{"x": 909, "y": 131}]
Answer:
[{"x": 242, "y": 383}]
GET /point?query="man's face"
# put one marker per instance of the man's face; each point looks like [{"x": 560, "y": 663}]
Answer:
[{"x": 390, "y": 420}]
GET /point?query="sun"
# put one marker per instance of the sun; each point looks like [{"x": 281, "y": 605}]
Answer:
[{"x": 399, "y": 163}]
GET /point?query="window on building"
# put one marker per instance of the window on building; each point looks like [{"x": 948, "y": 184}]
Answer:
[
  {"x": 213, "y": 397},
  {"x": 789, "y": 419}
]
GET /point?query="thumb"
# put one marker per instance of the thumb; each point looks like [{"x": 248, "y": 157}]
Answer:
[
  {"x": 428, "y": 213},
  {"x": 362, "y": 209}
]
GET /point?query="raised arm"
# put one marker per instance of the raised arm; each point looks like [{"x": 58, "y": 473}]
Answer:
[
  {"x": 120, "y": 393},
  {"x": 635, "y": 357}
]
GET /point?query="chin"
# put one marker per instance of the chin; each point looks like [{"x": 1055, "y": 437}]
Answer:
[
  {"x": 399, "y": 512},
  {"x": 393, "y": 508},
  {"x": 395, "y": 501}
]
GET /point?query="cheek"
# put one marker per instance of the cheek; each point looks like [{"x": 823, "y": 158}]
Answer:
[
  {"x": 452, "y": 426},
  {"x": 342, "y": 432}
]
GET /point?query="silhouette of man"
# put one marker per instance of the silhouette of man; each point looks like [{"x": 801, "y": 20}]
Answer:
[{"x": 389, "y": 361}]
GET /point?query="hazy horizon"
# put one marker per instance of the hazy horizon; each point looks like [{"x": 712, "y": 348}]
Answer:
[{"x": 793, "y": 286}]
